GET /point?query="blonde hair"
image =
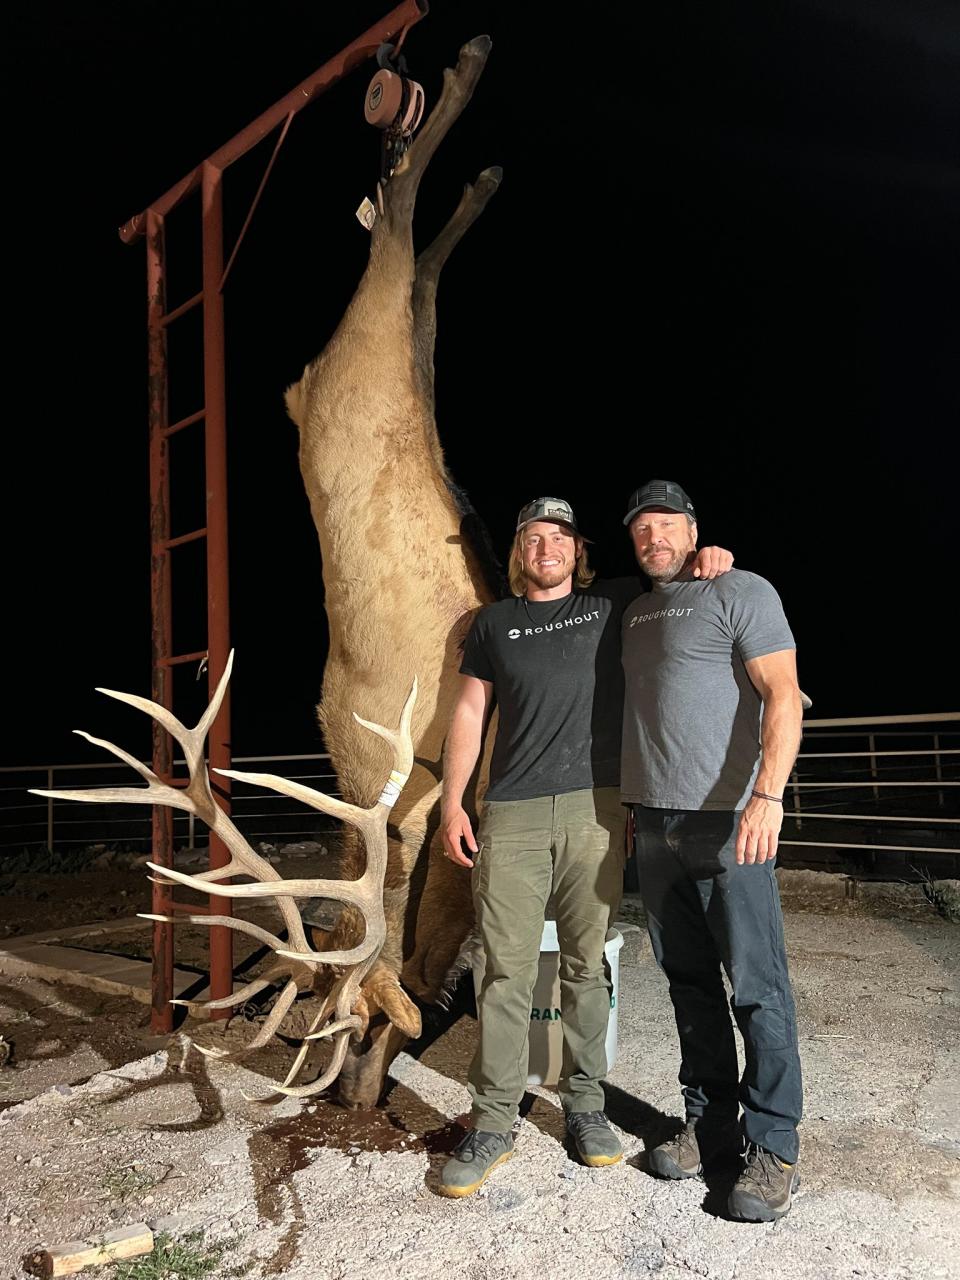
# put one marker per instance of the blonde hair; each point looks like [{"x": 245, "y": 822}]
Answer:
[{"x": 583, "y": 575}]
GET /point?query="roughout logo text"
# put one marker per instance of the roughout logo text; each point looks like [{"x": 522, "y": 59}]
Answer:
[
  {"x": 660, "y": 613},
  {"x": 514, "y": 632}
]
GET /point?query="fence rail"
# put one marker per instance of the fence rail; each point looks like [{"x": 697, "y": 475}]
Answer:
[
  {"x": 28, "y": 822},
  {"x": 869, "y": 794},
  {"x": 890, "y": 782}
]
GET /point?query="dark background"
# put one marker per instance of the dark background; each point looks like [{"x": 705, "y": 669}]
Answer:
[{"x": 724, "y": 252}]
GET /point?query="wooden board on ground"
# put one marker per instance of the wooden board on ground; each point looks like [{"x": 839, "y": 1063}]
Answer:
[{"x": 68, "y": 1259}]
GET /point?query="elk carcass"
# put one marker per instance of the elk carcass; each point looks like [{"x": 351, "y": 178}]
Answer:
[{"x": 402, "y": 580}]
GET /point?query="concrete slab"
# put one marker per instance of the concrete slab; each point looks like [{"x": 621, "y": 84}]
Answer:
[
  {"x": 94, "y": 970},
  {"x": 100, "y": 928}
]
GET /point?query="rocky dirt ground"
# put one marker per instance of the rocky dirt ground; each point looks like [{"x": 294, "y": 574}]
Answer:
[{"x": 102, "y": 1126}]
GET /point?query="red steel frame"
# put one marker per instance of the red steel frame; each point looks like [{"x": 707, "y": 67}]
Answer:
[{"x": 209, "y": 177}]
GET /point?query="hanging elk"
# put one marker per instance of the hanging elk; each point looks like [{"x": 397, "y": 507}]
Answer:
[{"x": 403, "y": 579}]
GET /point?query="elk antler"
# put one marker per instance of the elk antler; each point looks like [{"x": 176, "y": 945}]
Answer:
[{"x": 297, "y": 960}]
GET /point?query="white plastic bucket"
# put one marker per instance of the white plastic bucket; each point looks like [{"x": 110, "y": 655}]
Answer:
[{"x": 546, "y": 1023}]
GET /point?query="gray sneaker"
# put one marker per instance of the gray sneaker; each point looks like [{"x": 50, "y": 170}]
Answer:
[
  {"x": 477, "y": 1156},
  {"x": 765, "y": 1187},
  {"x": 694, "y": 1146},
  {"x": 596, "y": 1143}
]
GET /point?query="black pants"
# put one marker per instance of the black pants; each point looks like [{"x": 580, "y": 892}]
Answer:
[{"x": 703, "y": 912}]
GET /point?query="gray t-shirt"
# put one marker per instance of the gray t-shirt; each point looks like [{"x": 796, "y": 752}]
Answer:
[{"x": 691, "y": 724}]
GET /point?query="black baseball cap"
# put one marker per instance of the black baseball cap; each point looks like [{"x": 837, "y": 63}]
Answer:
[
  {"x": 659, "y": 493},
  {"x": 547, "y": 509}
]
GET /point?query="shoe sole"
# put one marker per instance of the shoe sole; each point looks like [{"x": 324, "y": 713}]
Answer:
[
  {"x": 600, "y": 1162},
  {"x": 457, "y": 1193},
  {"x": 666, "y": 1168},
  {"x": 754, "y": 1210}
]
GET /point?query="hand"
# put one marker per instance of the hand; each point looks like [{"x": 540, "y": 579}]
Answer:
[
  {"x": 454, "y": 827},
  {"x": 759, "y": 830},
  {"x": 711, "y": 562}
]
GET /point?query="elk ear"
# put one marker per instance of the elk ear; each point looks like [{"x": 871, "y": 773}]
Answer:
[
  {"x": 385, "y": 989},
  {"x": 402, "y": 1012}
]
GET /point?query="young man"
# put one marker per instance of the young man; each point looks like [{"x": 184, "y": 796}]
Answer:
[
  {"x": 711, "y": 729},
  {"x": 552, "y": 823}
]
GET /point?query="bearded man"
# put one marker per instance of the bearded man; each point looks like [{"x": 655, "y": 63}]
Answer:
[{"x": 710, "y": 733}]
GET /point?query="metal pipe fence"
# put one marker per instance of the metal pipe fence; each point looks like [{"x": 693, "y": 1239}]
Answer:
[
  {"x": 878, "y": 794},
  {"x": 28, "y": 822}
]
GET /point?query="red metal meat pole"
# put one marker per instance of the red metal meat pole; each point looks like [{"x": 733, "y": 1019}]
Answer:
[{"x": 209, "y": 176}]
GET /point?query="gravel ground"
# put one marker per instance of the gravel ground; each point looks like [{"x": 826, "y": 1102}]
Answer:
[{"x": 103, "y": 1127}]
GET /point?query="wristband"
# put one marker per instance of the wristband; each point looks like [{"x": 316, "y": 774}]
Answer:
[{"x": 762, "y": 795}]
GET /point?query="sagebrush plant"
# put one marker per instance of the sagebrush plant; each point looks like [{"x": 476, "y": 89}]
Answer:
[
  {"x": 130, "y": 1180},
  {"x": 943, "y": 896},
  {"x": 185, "y": 1259}
]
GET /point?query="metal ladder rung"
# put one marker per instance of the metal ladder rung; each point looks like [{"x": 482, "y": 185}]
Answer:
[
  {"x": 183, "y": 657},
  {"x": 184, "y": 307},
  {"x": 167, "y": 432},
  {"x": 185, "y": 537}
]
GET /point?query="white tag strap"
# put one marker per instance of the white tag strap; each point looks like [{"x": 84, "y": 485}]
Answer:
[{"x": 392, "y": 788}]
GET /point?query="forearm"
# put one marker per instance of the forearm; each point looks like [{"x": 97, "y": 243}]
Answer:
[
  {"x": 460, "y": 753},
  {"x": 779, "y": 740}
]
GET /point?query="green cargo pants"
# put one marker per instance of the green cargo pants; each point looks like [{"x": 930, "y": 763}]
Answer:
[{"x": 572, "y": 846}]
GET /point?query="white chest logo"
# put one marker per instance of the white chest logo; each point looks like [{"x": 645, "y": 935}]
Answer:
[
  {"x": 594, "y": 616},
  {"x": 660, "y": 613}
]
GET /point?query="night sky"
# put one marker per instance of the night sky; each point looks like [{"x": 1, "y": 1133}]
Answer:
[{"x": 724, "y": 252}]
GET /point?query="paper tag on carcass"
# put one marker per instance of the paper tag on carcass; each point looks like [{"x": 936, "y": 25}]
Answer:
[
  {"x": 367, "y": 213},
  {"x": 392, "y": 788}
]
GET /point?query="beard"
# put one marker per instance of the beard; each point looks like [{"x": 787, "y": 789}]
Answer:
[
  {"x": 664, "y": 570},
  {"x": 546, "y": 578}
]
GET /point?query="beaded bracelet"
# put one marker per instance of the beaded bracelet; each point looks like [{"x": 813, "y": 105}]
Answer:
[{"x": 762, "y": 795}]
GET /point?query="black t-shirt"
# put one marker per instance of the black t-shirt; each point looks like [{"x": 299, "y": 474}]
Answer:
[{"x": 557, "y": 679}]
